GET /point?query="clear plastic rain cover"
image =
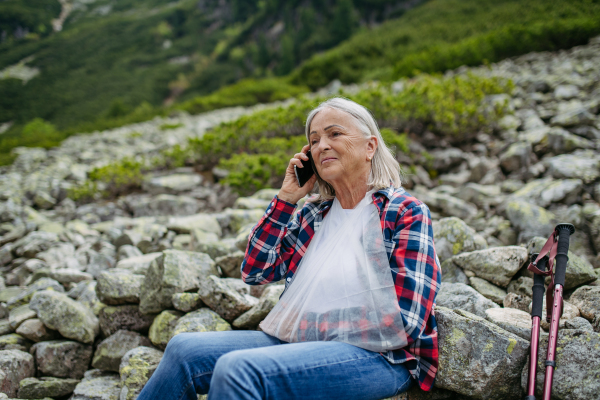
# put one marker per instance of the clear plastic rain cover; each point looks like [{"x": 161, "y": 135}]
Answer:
[{"x": 343, "y": 289}]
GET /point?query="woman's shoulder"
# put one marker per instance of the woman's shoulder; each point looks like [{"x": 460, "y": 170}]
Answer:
[{"x": 402, "y": 200}]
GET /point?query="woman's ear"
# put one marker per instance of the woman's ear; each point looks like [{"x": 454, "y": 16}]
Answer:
[{"x": 371, "y": 147}]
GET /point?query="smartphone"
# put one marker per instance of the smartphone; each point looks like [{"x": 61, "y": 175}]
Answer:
[{"x": 305, "y": 173}]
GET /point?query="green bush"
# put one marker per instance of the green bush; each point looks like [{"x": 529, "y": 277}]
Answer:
[
  {"x": 110, "y": 180},
  {"x": 166, "y": 127},
  {"x": 499, "y": 44},
  {"x": 246, "y": 92},
  {"x": 251, "y": 172}
]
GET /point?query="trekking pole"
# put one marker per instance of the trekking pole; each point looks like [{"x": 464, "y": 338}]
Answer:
[
  {"x": 536, "y": 315},
  {"x": 555, "y": 249},
  {"x": 564, "y": 232}
]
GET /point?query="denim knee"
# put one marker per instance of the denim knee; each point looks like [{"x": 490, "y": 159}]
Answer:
[
  {"x": 179, "y": 344},
  {"x": 235, "y": 369}
]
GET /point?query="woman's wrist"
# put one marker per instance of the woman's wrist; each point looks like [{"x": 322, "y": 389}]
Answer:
[{"x": 287, "y": 197}]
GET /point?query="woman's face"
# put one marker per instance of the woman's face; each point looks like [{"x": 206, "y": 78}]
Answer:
[{"x": 340, "y": 150}]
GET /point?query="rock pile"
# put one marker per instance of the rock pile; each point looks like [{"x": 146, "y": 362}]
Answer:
[{"x": 91, "y": 295}]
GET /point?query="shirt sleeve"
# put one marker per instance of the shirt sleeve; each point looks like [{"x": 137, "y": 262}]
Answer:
[
  {"x": 416, "y": 272},
  {"x": 271, "y": 244}
]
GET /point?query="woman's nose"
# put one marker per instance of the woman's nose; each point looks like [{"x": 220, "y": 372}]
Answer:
[{"x": 323, "y": 145}]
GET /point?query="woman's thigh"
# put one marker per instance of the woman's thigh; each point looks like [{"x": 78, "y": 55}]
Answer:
[
  {"x": 316, "y": 370},
  {"x": 187, "y": 365}
]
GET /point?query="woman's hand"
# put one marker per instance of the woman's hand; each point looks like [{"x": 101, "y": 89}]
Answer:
[{"x": 290, "y": 191}]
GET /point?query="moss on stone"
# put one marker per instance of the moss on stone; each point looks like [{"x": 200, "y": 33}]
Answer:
[{"x": 511, "y": 345}]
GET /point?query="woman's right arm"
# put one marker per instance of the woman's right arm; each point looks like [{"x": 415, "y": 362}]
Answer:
[{"x": 272, "y": 242}]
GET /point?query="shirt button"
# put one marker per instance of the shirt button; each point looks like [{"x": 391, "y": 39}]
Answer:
[{"x": 289, "y": 279}]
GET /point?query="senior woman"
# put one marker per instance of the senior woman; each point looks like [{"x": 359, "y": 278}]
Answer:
[{"x": 356, "y": 317}]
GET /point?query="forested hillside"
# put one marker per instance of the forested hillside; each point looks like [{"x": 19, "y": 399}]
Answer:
[
  {"x": 113, "y": 57},
  {"x": 111, "y": 63}
]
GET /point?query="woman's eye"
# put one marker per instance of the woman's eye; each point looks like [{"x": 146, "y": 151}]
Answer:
[{"x": 336, "y": 134}]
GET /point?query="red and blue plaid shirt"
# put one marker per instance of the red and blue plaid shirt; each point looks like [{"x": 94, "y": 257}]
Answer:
[{"x": 280, "y": 239}]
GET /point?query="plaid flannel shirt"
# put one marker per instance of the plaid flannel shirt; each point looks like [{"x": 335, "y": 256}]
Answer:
[{"x": 280, "y": 239}]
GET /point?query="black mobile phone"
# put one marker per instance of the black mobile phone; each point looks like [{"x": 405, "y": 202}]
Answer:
[{"x": 304, "y": 174}]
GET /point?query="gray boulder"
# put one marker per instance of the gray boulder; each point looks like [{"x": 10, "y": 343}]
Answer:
[
  {"x": 61, "y": 358},
  {"x": 231, "y": 264},
  {"x": 171, "y": 184},
  {"x": 139, "y": 264},
  {"x": 488, "y": 290},
  {"x": 204, "y": 222},
  {"x": 137, "y": 366},
  {"x": 128, "y": 251},
  {"x": 70, "y": 275},
  {"x": 175, "y": 272},
  {"x": 561, "y": 141},
  {"x": 587, "y": 299},
  {"x": 15, "y": 365},
  {"x": 14, "y": 341},
  {"x": 99, "y": 262},
  {"x": 5, "y": 327},
  {"x": 512, "y": 320},
  {"x": 119, "y": 286},
  {"x": 128, "y": 317},
  {"x": 571, "y": 118},
  {"x": 98, "y": 385},
  {"x": 110, "y": 351},
  {"x": 233, "y": 220},
  {"x": 453, "y": 236},
  {"x": 36, "y": 331},
  {"x": 522, "y": 286},
  {"x": 464, "y": 297},
  {"x": 59, "y": 312},
  {"x": 163, "y": 204},
  {"x": 249, "y": 203},
  {"x": 483, "y": 196},
  {"x": 447, "y": 205},
  {"x": 85, "y": 293},
  {"x": 497, "y": 264},
  {"x": 582, "y": 164},
  {"x": 453, "y": 274},
  {"x": 34, "y": 388},
  {"x": 220, "y": 248},
  {"x": 477, "y": 358},
  {"x": 529, "y": 219},
  {"x": 161, "y": 330},
  {"x": 33, "y": 243},
  {"x": 24, "y": 296},
  {"x": 202, "y": 320},
  {"x": 187, "y": 302},
  {"x": 57, "y": 255},
  {"x": 224, "y": 299},
  {"x": 579, "y": 323},
  {"x": 516, "y": 157},
  {"x": 578, "y": 362},
  {"x": 543, "y": 192},
  {"x": 20, "y": 314},
  {"x": 251, "y": 318}
]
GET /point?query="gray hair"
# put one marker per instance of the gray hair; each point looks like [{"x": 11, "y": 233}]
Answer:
[{"x": 385, "y": 169}]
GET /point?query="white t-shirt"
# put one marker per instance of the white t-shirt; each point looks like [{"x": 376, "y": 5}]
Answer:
[{"x": 332, "y": 227}]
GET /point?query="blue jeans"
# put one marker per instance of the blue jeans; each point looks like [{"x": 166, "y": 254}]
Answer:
[{"x": 255, "y": 365}]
